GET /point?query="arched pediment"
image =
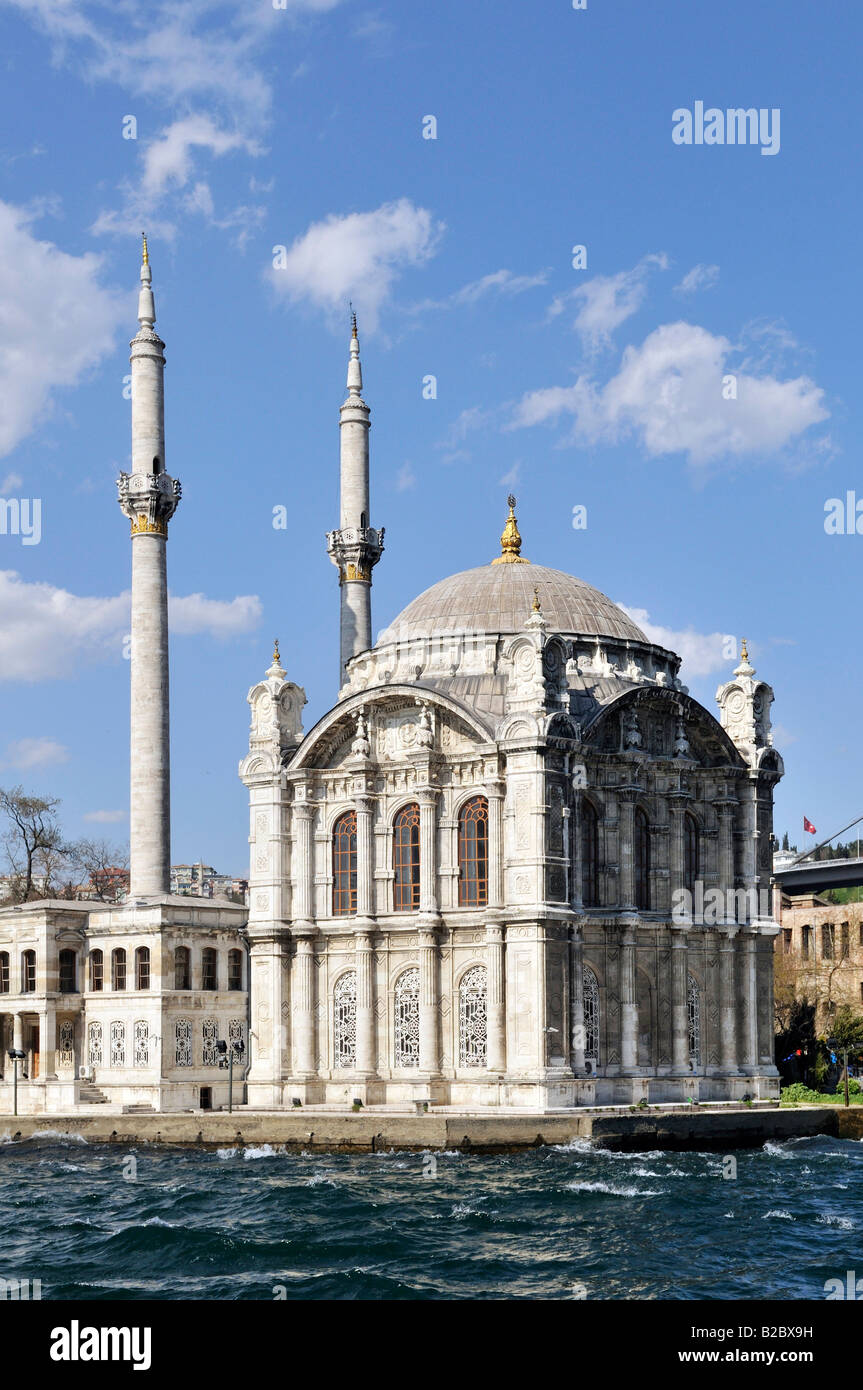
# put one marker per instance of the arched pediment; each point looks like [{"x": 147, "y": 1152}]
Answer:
[
  {"x": 656, "y": 721},
  {"x": 395, "y": 716}
]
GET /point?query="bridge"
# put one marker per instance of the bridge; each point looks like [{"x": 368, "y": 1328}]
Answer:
[{"x": 813, "y": 876}]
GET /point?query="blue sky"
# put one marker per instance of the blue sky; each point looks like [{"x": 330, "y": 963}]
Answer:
[{"x": 303, "y": 128}]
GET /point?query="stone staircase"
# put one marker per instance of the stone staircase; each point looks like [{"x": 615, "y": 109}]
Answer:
[
  {"x": 88, "y": 1094},
  {"x": 138, "y": 1110}
]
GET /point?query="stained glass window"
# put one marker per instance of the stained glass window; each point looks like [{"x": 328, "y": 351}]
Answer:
[
  {"x": 345, "y": 865},
  {"x": 406, "y": 859},
  {"x": 473, "y": 853}
]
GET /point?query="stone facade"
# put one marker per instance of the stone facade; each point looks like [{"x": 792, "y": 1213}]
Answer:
[
  {"x": 821, "y": 945},
  {"x": 100, "y": 1027}
]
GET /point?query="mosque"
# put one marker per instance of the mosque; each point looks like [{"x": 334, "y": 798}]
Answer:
[{"x": 465, "y": 878}]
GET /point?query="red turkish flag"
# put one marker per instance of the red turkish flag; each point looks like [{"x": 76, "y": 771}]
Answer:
[{"x": 807, "y": 825}]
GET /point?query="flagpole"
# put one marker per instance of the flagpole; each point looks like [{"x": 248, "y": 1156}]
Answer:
[{"x": 824, "y": 842}]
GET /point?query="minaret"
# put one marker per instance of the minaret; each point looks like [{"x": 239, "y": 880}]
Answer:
[
  {"x": 356, "y": 547},
  {"x": 149, "y": 499}
]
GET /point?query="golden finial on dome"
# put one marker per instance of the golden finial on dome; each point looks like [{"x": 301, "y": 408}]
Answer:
[
  {"x": 276, "y": 658},
  {"x": 744, "y": 655},
  {"x": 145, "y": 254},
  {"x": 510, "y": 541},
  {"x": 536, "y": 606}
]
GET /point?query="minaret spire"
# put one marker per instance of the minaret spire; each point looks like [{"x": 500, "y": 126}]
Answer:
[
  {"x": 149, "y": 498},
  {"x": 356, "y": 547}
]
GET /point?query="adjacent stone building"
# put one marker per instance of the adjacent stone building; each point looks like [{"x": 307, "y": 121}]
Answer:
[{"x": 819, "y": 953}]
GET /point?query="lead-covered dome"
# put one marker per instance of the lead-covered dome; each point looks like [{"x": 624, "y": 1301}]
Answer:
[{"x": 499, "y": 598}]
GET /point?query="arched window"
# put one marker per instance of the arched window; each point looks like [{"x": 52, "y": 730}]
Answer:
[
  {"x": 406, "y": 859},
  {"x": 28, "y": 972},
  {"x": 590, "y": 1005},
  {"x": 182, "y": 968},
  {"x": 97, "y": 970},
  {"x": 235, "y": 970},
  {"x": 693, "y": 1008},
  {"x": 345, "y": 865},
  {"x": 641, "y": 850},
  {"x": 690, "y": 854},
  {"x": 4, "y": 972},
  {"x": 345, "y": 1020},
  {"x": 473, "y": 853},
  {"x": 142, "y": 967},
  {"x": 589, "y": 855},
  {"x": 209, "y": 968},
  {"x": 472, "y": 1011},
  {"x": 118, "y": 968},
  {"x": 94, "y": 1044},
  {"x": 407, "y": 1018},
  {"x": 68, "y": 972}
]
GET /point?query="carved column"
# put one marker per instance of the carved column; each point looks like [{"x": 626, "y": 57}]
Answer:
[
  {"x": 427, "y": 797},
  {"x": 304, "y": 1008},
  {"x": 366, "y": 1049},
  {"x": 626, "y": 797},
  {"x": 365, "y": 856},
  {"x": 628, "y": 1002},
  {"x": 48, "y": 1043},
  {"x": 725, "y": 809},
  {"x": 679, "y": 1009},
  {"x": 677, "y": 803},
  {"x": 728, "y": 1000},
  {"x": 429, "y": 1025},
  {"x": 496, "y": 791},
  {"x": 495, "y": 1001},
  {"x": 749, "y": 993},
  {"x": 303, "y": 819},
  {"x": 577, "y": 1034}
]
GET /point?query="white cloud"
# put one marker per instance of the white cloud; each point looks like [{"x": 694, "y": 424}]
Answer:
[
  {"x": 41, "y": 624},
  {"x": 57, "y": 322},
  {"x": 25, "y": 754},
  {"x": 668, "y": 394},
  {"x": 607, "y": 301},
  {"x": 357, "y": 256},
  {"x": 701, "y": 652},
  {"x": 11, "y": 483},
  {"x": 405, "y": 478},
  {"x": 168, "y": 159},
  {"x": 499, "y": 281},
  {"x": 106, "y": 817},
  {"x": 511, "y": 477},
  {"x": 700, "y": 277},
  {"x": 221, "y": 618}
]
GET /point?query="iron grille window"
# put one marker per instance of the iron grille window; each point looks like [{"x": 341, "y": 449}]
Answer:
[
  {"x": 235, "y": 970},
  {"x": 590, "y": 1008},
  {"x": 589, "y": 855},
  {"x": 97, "y": 970},
  {"x": 66, "y": 1043},
  {"x": 345, "y": 1020},
  {"x": 118, "y": 1044},
  {"x": 4, "y": 972},
  {"x": 94, "y": 1044},
  {"x": 406, "y": 859},
  {"x": 693, "y": 1007},
  {"x": 473, "y": 853},
  {"x": 182, "y": 968},
  {"x": 642, "y": 861},
  {"x": 209, "y": 969},
  {"x": 118, "y": 969},
  {"x": 210, "y": 1034},
  {"x": 28, "y": 972},
  {"x": 142, "y": 967},
  {"x": 345, "y": 865},
  {"x": 142, "y": 1043},
  {"x": 183, "y": 1043},
  {"x": 472, "y": 1017},
  {"x": 407, "y": 1018}
]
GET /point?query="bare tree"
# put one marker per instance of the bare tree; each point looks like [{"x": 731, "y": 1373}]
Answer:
[
  {"x": 104, "y": 868},
  {"x": 34, "y": 842}
]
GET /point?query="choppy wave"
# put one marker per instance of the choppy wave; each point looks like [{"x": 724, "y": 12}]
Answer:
[{"x": 262, "y": 1222}]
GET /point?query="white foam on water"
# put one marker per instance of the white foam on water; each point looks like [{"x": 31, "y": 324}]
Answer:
[
  {"x": 829, "y": 1219},
  {"x": 614, "y": 1191},
  {"x": 778, "y": 1214}
]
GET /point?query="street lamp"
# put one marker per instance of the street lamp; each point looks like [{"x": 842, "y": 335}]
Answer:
[
  {"x": 227, "y": 1055},
  {"x": 15, "y": 1056}
]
